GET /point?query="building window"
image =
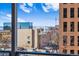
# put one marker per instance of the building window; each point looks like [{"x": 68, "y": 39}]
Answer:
[
  {"x": 78, "y": 52},
  {"x": 71, "y": 51},
  {"x": 78, "y": 26},
  {"x": 78, "y": 12},
  {"x": 28, "y": 37},
  {"x": 71, "y": 40},
  {"x": 65, "y": 26},
  {"x": 71, "y": 12},
  {"x": 64, "y": 12},
  {"x": 64, "y": 3},
  {"x": 28, "y": 42},
  {"x": 72, "y": 26},
  {"x": 64, "y": 40},
  {"x": 78, "y": 41},
  {"x": 65, "y": 51},
  {"x": 71, "y": 3}
]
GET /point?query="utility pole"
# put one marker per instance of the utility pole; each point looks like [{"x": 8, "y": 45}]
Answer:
[{"x": 14, "y": 29}]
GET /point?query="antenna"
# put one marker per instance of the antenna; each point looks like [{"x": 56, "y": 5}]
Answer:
[{"x": 55, "y": 21}]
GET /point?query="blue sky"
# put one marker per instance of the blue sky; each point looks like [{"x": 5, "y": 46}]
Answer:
[{"x": 41, "y": 14}]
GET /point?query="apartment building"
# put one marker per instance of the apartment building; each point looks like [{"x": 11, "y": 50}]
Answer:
[
  {"x": 69, "y": 28},
  {"x": 5, "y": 39},
  {"x": 49, "y": 37},
  {"x": 28, "y": 38},
  {"x": 24, "y": 38}
]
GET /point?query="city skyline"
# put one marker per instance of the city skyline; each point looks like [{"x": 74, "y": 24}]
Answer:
[{"x": 40, "y": 14}]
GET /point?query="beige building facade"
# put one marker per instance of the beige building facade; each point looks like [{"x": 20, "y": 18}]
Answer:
[
  {"x": 36, "y": 38},
  {"x": 24, "y": 38},
  {"x": 28, "y": 38}
]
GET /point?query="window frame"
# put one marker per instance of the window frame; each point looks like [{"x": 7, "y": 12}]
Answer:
[
  {"x": 64, "y": 26},
  {"x": 71, "y": 51},
  {"x": 72, "y": 28},
  {"x": 72, "y": 12},
  {"x": 64, "y": 12},
  {"x": 64, "y": 40},
  {"x": 72, "y": 41}
]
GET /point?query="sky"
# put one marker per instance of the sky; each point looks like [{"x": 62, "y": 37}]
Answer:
[{"x": 40, "y": 14}]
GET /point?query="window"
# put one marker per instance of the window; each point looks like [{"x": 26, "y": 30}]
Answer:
[
  {"x": 72, "y": 26},
  {"x": 71, "y": 40},
  {"x": 65, "y": 26},
  {"x": 65, "y": 51},
  {"x": 78, "y": 12},
  {"x": 28, "y": 37},
  {"x": 78, "y": 52},
  {"x": 71, "y": 12},
  {"x": 64, "y": 3},
  {"x": 28, "y": 42},
  {"x": 64, "y": 12},
  {"x": 78, "y": 27},
  {"x": 78, "y": 41},
  {"x": 71, "y": 51},
  {"x": 64, "y": 40},
  {"x": 71, "y": 3}
]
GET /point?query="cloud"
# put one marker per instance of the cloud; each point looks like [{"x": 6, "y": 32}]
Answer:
[
  {"x": 54, "y": 6},
  {"x": 5, "y": 15},
  {"x": 30, "y": 4},
  {"x": 45, "y": 9},
  {"x": 8, "y": 15},
  {"x": 21, "y": 20},
  {"x": 24, "y": 8}
]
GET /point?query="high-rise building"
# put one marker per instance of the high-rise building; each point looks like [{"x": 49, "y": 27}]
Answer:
[
  {"x": 20, "y": 25},
  {"x": 69, "y": 28}
]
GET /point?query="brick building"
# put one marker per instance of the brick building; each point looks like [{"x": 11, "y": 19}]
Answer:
[{"x": 69, "y": 28}]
